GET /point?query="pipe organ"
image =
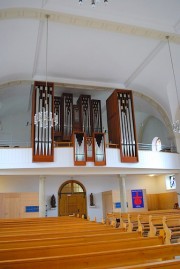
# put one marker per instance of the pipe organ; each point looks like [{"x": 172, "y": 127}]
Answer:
[
  {"x": 96, "y": 116},
  {"x": 79, "y": 148},
  {"x": 57, "y": 119},
  {"x": 57, "y": 113},
  {"x": 67, "y": 112},
  {"x": 43, "y": 122},
  {"x": 84, "y": 103},
  {"x": 121, "y": 124},
  {"x": 99, "y": 149},
  {"x": 89, "y": 149}
]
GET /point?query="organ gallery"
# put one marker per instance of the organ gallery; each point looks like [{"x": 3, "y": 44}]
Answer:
[{"x": 57, "y": 120}]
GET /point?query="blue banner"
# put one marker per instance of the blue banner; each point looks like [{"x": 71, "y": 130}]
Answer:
[
  {"x": 31, "y": 209},
  {"x": 137, "y": 198},
  {"x": 117, "y": 205}
]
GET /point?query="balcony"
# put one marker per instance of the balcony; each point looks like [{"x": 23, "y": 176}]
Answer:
[{"x": 16, "y": 159}]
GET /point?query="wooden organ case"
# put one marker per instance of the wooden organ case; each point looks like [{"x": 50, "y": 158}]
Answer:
[
  {"x": 84, "y": 103},
  {"x": 43, "y": 122},
  {"x": 57, "y": 114},
  {"x": 57, "y": 119},
  {"x": 121, "y": 124},
  {"x": 67, "y": 114}
]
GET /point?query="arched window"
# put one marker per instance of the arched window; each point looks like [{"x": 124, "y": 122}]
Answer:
[
  {"x": 71, "y": 187},
  {"x": 156, "y": 144}
]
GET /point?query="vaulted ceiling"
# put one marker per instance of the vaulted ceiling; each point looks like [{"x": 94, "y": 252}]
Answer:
[{"x": 119, "y": 45}]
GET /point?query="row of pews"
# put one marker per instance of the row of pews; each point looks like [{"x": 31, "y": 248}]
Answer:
[
  {"x": 70, "y": 242},
  {"x": 150, "y": 223}
]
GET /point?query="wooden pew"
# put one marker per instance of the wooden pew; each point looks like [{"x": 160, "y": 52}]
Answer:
[
  {"x": 71, "y": 240},
  {"x": 40, "y": 221},
  {"x": 171, "y": 226},
  {"x": 129, "y": 220},
  {"x": 152, "y": 224},
  {"x": 55, "y": 229},
  {"x": 170, "y": 264},
  {"x": 68, "y": 239},
  {"x": 28, "y": 236},
  {"x": 76, "y": 248},
  {"x": 102, "y": 259}
]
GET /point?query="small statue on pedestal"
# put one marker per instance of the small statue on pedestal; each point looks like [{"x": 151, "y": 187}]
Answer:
[
  {"x": 91, "y": 200},
  {"x": 53, "y": 201}
]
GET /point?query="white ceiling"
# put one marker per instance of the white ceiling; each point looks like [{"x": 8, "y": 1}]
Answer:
[{"x": 121, "y": 45}]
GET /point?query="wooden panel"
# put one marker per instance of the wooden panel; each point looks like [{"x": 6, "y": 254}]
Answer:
[
  {"x": 113, "y": 119},
  {"x": 167, "y": 200},
  {"x": 84, "y": 103},
  {"x": 121, "y": 124},
  {"x": 13, "y": 204},
  {"x": 63, "y": 205},
  {"x": 162, "y": 200},
  {"x": 96, "y": 116},
  {"x": 29, "y": 199},
  {"x": 67, "y": 112},
  {"x": 57, "y": 112},
  {"x": 76, "y": 119},
  {"x": 153, "y": 201},
  {"x": 72, "y": 204},
  {"x": 107, "y": 203}
]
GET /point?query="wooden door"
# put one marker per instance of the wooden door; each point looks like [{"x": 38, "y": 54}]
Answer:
[
  {"x": 107, "y": 203},
  {"x": 74, "y": 203}
]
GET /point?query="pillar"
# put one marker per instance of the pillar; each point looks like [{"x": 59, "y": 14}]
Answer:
[
  {"x": 42, "y": 203},
  {"x": 122, "y": 188}
]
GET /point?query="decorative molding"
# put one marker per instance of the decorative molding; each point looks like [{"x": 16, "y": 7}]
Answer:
[{"x": 75, "y": 20}]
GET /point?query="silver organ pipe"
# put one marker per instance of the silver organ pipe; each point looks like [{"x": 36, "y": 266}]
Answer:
[{"x": 43, "y": 122}]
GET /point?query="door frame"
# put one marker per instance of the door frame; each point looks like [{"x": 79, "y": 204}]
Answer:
[{"x": 71, "y": 193}]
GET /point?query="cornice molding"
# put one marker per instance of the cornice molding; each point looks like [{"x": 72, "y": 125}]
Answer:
[{"x": 75, "y": 20}]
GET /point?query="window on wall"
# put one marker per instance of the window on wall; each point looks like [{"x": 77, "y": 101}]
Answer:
[
  {"x": 156, "y": 144},
  {"x": 77, "y": 188},
  {"x": 72, "y": 187},
  {"x": 170, "y": 182}
]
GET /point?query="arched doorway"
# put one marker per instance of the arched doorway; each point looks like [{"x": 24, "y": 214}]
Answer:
[{"x": 72, "y": 199}]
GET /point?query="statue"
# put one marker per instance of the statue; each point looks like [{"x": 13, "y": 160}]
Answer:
[
  {"x": 91, "y": 200},
  {"x": 53, "y": 201}
]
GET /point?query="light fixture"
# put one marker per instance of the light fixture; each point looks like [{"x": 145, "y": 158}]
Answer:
[
  {"x": 50, "y": 119},
  {"x": 47, "y": 32},
  {"x": 176, "y": 124},
  {"x": 93, "y": 2}
]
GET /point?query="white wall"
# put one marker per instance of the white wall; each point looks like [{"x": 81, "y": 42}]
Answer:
[
  {"x": 155, "y": 128},
  {"x": 19, "y": 183},
  {"x": 16, "y": 130},
  {"x": 95, "y": 184}
]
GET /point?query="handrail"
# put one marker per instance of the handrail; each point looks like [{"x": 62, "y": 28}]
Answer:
[
  {"x": 162, "y": 148},
  {"x": 27, "y": 144}
]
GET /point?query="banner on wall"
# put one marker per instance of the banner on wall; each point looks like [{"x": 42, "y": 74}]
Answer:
[{"x": 137, "y": 198}]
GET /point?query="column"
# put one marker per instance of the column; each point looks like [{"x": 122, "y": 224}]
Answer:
[
  {"x": 122, "y": 188},
  {"x": 42, "y": 204}
]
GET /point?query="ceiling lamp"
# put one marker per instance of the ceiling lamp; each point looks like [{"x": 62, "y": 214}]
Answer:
[
  {"x": 176, "y": 124},
  {"x": 94, "y": 2}
]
